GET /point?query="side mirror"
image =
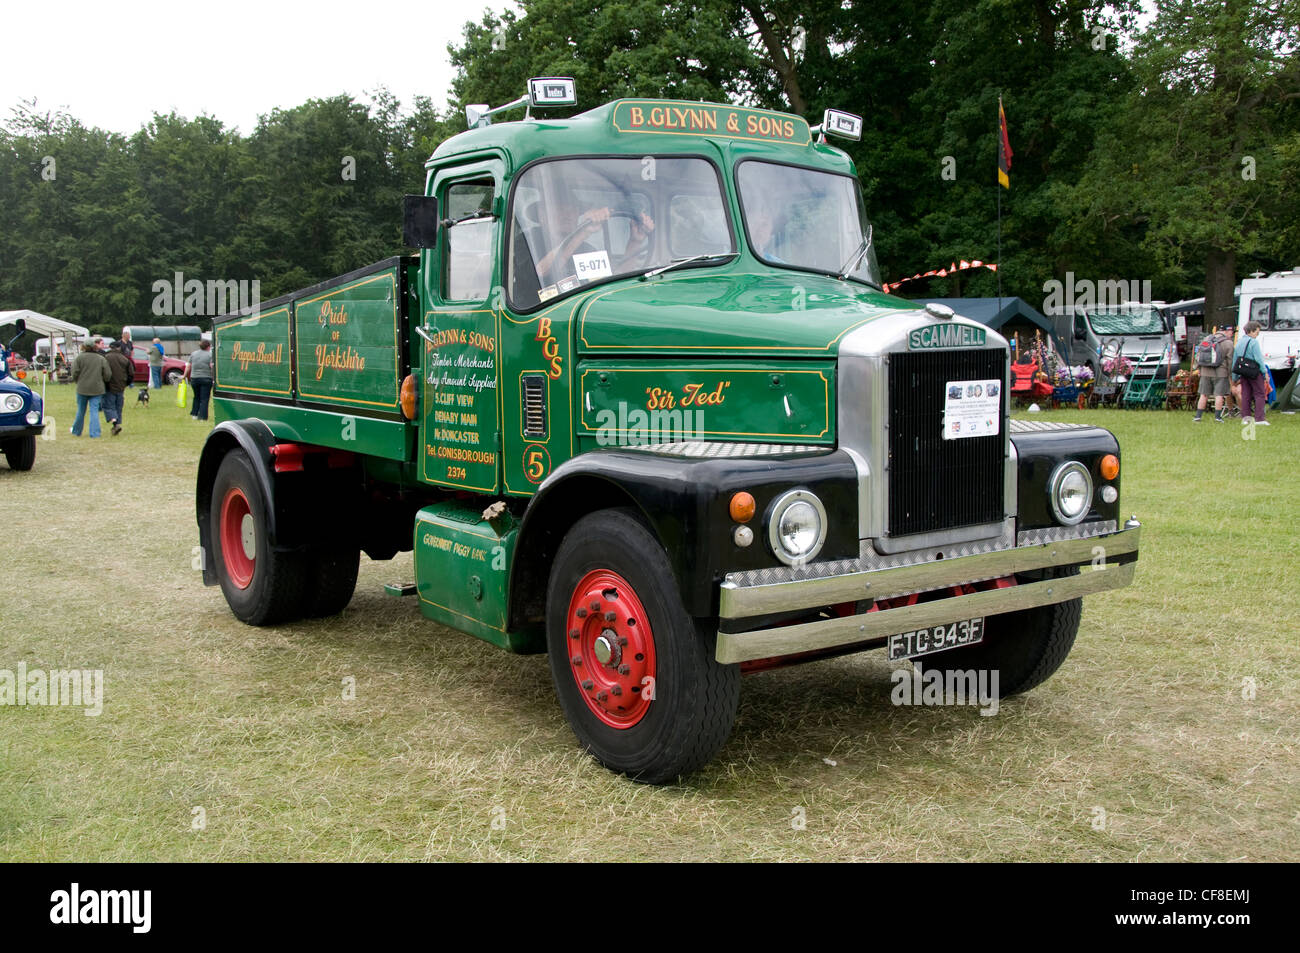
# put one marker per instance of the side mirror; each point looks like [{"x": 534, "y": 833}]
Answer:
[
  {"x": 21, "y": 324},
  {"x": 419, "y": 221}
]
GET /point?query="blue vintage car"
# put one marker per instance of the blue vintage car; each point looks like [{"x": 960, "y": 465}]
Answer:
[{"x": 21, "y": 413}]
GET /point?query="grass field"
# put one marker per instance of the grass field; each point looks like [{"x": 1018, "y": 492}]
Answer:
[{"x": 219, "y": 741}]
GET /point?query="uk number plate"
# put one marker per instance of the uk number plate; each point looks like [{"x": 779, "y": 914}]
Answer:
[{"x": 937, "y": 638}]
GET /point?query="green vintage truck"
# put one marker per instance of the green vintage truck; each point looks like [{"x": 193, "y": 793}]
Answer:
[{"x": 640, "y": 403}]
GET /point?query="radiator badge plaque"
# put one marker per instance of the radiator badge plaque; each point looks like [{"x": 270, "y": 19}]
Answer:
[
  {"x": 945, "y": 336},
  {"x": 971, "y": 409}
]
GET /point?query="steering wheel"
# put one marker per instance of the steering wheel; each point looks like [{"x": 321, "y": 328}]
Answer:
[{"x": 613, "y": 213}]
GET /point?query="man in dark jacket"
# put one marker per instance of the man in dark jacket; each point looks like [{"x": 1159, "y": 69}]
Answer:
[
  {"x": 122, "y": 371},
  {"x": 90, "y": 373}
]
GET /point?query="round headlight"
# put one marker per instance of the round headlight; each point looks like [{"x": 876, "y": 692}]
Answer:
[
  {"x": 796, "y": 527},
  {"x": 12, "y": 403},
  {"x": 1070, "y": 490},
  {"x": 33, "y": 417}
]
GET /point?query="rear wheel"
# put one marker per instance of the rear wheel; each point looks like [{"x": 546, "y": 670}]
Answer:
[
  {"x": 331, "y": 580},
  {"x": 1025, "y": 648},
  {"x": 263, "y": 586},
  {"x": 635, "y": 675},
  {"x": 173, "y": 377},
  {"x": 21, "y": 452}
]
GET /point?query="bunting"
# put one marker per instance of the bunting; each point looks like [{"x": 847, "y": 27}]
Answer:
[{"x": 952, "y": 269}]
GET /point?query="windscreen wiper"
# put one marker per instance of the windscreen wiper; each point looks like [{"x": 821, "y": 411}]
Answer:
[
  {"x": 678, "y": 262},
  {"x": 852, "y": 263}
]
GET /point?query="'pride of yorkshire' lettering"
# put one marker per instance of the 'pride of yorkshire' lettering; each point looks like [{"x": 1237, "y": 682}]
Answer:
[
  {"x": 699, "y": 119},
  {"x": 337, "y": 358}
]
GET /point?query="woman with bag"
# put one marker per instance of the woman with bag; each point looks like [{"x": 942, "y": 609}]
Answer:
[{"x": 1249, "y": 369}]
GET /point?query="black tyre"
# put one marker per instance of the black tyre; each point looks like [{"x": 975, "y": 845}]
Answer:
[
  {"x": 331, "y": 580},
  {"x": 1025, "y": 648},
  {"x": 20, "y": 452},
  {"x": 261, "y": 585},
  {"x": 635, "y": 675},
  {"x": 173, "y": 377}
]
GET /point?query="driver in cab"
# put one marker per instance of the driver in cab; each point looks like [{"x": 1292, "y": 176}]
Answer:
[{"x": 578, "y": 228}]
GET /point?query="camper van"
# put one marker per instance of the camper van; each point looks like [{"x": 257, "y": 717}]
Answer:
[
  {"x": 1275, "y": 303},
  {"x": 1137, "y": 330}
]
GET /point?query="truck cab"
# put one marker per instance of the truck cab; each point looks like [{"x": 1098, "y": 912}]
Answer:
[{"x": 639, "y": 402}]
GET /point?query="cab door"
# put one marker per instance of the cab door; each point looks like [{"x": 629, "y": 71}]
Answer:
[{"x": 460, "y": 431}]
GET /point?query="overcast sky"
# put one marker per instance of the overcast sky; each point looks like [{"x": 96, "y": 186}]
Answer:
[{"x": 113, "y": 65}]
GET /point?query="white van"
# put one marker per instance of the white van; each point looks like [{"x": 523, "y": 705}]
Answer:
[
  {"x": 1137, "y": 330},
  {"x": 1275, "y": 303}
]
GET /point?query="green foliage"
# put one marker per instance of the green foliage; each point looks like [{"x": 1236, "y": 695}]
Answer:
[
  {"x": 683, "y": 49},
  {"x": 1198, "y": 157},
  {"x": 313, "y": 192},
  {"x": 1129, "y": 145}
]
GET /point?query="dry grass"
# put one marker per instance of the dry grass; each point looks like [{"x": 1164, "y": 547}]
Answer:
[{"x": 1146, "y": 720}]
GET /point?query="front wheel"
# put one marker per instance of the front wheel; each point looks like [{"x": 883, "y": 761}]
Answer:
[
  {"x": 1025, "y": 648},
  {"x": 21, "y": 452},
  {"x": 635, "y": 675},
  {"x": 262, "y": 585},
  {"x": 173, "y": 377}
]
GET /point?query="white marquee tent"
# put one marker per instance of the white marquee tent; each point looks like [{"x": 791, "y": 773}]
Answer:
[{"x": 43, "y": 325}]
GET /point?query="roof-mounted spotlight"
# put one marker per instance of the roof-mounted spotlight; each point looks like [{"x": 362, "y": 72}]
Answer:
[
  {"x": 543, "y": 91},
  {"x": 839, "y": 123}
]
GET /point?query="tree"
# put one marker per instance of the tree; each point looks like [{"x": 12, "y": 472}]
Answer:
[
  {"x": 1200, "y": 155},
  {"x": 683, "y": 49}
]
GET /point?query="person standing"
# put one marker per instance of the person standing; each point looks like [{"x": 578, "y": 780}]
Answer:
[
  {"x": 122, "y": 375},
  {"x": 124, "y": 343},
  {"x": 1214, "y": 368},
  {"x": 199, "y": 373},
  {"x": 1254, "y": 390},
  {"x": 90, "y": 373},
  {"x": 155, "y": 363}
]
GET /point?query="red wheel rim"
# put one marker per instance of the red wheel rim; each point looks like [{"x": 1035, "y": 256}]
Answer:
[
  {"x": 238, "y": 538},
  {"x": 611, "y": 648}
]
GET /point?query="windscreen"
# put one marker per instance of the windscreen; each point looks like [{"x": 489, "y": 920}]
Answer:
[
  {"x": 804, "y": 218},
  {"x": 1127, "y": 321},
  {"x": 578, "y": 221}
]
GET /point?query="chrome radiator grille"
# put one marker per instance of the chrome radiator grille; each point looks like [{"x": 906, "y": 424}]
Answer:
[{"x": 937, "y": 484}]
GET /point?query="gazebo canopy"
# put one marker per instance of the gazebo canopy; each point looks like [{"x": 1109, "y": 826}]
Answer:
[{"x": 43, "y": 324}]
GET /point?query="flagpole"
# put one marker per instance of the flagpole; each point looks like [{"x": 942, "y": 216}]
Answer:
[{"x": 998, "y": 186}]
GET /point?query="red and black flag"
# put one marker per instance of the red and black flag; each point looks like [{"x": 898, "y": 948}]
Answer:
[{"x": 1004, "y": 149}]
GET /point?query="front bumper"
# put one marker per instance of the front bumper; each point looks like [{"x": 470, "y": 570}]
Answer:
[
  {"x": 22, "y": 430},
  {"x": 1114, "y": 569}
]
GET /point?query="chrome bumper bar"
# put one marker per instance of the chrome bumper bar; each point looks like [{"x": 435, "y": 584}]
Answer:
[{"x": 1105, "y": 571}]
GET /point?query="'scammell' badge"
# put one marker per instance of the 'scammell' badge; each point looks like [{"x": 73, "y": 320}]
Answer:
[{"x": 945, "y": 336}]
